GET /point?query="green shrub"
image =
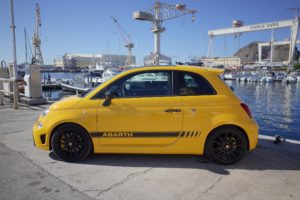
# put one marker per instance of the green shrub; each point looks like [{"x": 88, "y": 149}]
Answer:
[{"x": 297, "y": 66}]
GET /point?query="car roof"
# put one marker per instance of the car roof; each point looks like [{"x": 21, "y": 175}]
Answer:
[{"x": 180, "y": 68}]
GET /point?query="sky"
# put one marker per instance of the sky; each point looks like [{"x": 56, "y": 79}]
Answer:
[{"x": 85, "y": 26}]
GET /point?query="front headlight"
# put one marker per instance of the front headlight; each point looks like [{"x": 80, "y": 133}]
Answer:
[
  {"x": 44, "y": 113},
  {"x": 39, "y": 125}
]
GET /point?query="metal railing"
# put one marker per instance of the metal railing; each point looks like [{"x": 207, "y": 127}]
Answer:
[{"x": 14, "y": 93}]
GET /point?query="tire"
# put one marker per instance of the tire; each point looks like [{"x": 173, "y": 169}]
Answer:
[
  {"x": 226, "y": 145},
  {"x": 71, "y": 143}
]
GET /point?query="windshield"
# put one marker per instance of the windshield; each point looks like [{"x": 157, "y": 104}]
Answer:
[{"x": 84, "y": 94}]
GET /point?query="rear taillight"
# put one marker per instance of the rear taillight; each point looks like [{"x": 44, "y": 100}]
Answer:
[{"x": 246, "y": 109}]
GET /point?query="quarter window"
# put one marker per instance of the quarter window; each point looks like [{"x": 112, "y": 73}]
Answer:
[{"x": 191, "y": 84}]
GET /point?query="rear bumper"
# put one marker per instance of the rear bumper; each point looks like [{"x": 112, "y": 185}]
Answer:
[{"x": 252, "y": 133}]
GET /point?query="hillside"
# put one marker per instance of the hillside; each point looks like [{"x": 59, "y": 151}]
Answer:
[{"x": 249, "y": 53}]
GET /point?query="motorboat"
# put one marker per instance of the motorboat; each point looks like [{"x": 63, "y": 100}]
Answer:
[
  {"x": 267, "y": 77},
  {"x": 292, "y": 77}
]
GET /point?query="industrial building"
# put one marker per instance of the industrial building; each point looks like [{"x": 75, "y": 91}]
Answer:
[
  {"x": 227, "y": 62},
  {"x": 75, "y": 60}
]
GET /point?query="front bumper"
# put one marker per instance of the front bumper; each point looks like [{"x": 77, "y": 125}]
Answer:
[{"x": 40, "y": 137}]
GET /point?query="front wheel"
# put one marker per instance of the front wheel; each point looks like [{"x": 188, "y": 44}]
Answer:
[
  {"x": 71, "y": 143},
  {"x": 226, "y": 145}
]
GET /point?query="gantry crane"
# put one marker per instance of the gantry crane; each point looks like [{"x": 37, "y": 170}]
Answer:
[
  {"x": 37, "y": 57},
  {"x": 239, "y": 28},
  {"x": 128, "y": 42},
  {"x": 157, "y": 14}
]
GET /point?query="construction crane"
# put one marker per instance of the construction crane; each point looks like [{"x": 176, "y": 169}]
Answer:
[
  {"x": 36, "y": 42},
  {"x": 157, "y": 14},
  {"x": 128, "y": 42}
]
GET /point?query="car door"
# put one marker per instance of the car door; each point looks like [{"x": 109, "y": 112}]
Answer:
[
  {"x": 198, "y": 99},
  {"x": 143, "y": 111}
]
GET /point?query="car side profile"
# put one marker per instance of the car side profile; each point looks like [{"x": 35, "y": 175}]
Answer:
[{"x": 151, "y": 110}]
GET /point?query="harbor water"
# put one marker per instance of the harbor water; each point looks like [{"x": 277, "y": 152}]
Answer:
[
  {"x": 275, "y": 106},
  {"x": 58, "y": 94}
]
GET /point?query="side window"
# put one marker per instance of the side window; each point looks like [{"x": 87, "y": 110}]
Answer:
[
  {"x": 145, "y": 84},
  {"x": 191, "y": 84}
]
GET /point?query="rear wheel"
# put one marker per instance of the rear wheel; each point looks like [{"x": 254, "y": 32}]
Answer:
[
  {"x": 71, "y": 143},
  {"x": 226, "y": 145}
]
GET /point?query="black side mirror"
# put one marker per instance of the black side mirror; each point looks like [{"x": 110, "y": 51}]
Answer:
[{"x": 108, "y": 97}]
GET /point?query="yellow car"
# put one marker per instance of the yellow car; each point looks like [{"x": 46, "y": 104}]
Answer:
[{"x": 151, "y": 110}]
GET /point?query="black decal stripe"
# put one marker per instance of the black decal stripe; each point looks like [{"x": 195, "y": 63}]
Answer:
[
  {"x": 134, "y": 134},
  {"x": 192, "y": 134},
  {"x": 162, "y": 134},
  {"x": 196, "y": 134},
  {"x": 187, "y": 134},
  {"x": 182, "y": 134},
  {"x": 95, "y": 134}
]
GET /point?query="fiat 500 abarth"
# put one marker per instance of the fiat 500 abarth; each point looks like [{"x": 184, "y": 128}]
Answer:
[{"x": 151, "y": 110}]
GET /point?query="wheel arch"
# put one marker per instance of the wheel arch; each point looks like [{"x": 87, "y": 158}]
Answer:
[
  {"x": 228, "y": 125},
  {"x": 69, "y": 123}
]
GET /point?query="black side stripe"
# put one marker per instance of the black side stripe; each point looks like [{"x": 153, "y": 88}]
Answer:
[
  {"x": 182, "y": 134},
  {"x": 192, "y": 134},
  {"x": 144, "y": 134},
  {"x": 133, "y": 134}
]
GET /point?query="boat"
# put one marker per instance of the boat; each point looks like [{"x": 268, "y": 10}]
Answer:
[
  {"x": 254, "y": 77},
  {"x": 53, "y": 83},
  {"x": 292, "y": 77},
  {"x": 87, "y": 82},
  {"x": 268, "y": 77},
  {"x": 73, "y": 88},
  {"x": 244, "y": 77},
  {"x": 110, "y": 72},
  {"x": 279, "y": 76},
  {"x": 230, "y": 76},
  {"x": 76, "y": 85}
]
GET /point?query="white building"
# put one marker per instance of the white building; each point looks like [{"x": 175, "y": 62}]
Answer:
[
  {"x": 75, "y": 60},
  {"x": 227, "y": 62},
  {"x": 58, "y": 62}
]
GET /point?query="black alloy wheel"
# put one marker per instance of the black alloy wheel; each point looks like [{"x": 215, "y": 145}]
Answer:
[
  {"x": 71, "y": 143},
  {"x": 226, "y": 145}
]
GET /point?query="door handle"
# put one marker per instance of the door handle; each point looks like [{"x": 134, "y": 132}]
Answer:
[{"x": 173, "y": 110}]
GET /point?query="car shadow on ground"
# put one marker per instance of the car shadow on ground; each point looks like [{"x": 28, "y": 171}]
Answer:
[{"x": 267, "y": 156}]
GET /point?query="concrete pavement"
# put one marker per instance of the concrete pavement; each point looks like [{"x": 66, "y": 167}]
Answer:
[
  {"x": 22, "y": 179},
  {"x": 270, "y": 172}
]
